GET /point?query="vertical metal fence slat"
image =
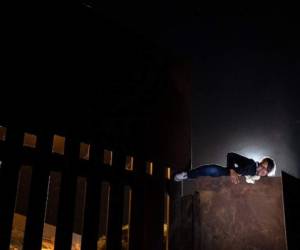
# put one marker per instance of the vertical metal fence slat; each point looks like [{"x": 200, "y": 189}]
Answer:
[
  {"x": 66, "y": 210},
  {"x": 136, "y": 237},
  {"x": 9, "y": 182},
  {"x": 92, "y": 209},
  {"x": 154, "y": 209},
  {"x": 116, "y": 206},
  {"x": 38, "y": 194}
]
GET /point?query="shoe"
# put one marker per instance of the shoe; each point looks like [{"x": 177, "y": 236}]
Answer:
[{"x": 180, "y": 176}]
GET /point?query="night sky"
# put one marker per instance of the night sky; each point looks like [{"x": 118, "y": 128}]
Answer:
[
  {"x": 245, "y": 74},
  {"x": 244, "y": 64},
  {"x": 245, "y": 93}
]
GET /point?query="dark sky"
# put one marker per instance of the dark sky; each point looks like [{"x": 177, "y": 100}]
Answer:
[
  {"x": 245, "y": 93},
  {"x": 244, "y": 70},
  {"x": 245, "y": 88},
  {"x": 245, "y": 74}
]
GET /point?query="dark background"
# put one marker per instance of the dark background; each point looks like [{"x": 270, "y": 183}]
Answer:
[
  {"x": 244, "y": 65},
  {"x": 242, "y": 61},
  {"x": 245, "y": 87},
  {"x": 75, "y": 68}
]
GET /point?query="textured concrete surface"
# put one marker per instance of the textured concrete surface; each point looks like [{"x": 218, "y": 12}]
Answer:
[{"x": 216, "y": 214}]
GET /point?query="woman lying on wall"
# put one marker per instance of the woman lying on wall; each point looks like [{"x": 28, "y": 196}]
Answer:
[{"x": 237, "y": 166}]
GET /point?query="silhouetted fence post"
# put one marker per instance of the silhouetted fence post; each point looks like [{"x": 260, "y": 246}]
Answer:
[
  {"x": 38, "y": 193},
  {"x": 136, "y": 239},
  {"x": 11, "y": 163},
  {"x": 65, "y": 220},
  {"x": 93, "y": 199}
]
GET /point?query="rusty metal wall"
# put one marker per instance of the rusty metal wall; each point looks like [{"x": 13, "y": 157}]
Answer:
[{"x": 229, "y": 217}]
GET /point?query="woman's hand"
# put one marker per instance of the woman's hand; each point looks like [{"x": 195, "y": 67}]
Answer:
[{"x": 234, "y": 176}]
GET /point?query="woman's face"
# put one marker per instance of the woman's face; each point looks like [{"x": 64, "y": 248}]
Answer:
[{"x": 262, "y": 169}]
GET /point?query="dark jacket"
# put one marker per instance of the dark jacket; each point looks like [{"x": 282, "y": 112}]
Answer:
[{"x": 241, "y": 164}]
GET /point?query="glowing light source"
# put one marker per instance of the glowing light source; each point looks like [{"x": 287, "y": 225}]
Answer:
[{"x": 254, "y": 153}]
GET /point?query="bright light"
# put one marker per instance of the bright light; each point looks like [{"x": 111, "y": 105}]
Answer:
[{"x": 254, "y": 153}]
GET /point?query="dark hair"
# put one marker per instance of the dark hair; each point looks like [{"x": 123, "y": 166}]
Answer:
[{"x": 271, "y": 163}]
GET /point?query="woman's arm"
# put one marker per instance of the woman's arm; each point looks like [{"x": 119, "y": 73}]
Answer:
[{"x": 236, "y": 161}]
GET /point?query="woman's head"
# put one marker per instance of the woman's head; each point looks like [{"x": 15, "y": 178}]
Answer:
[{"x": 265, "y": 166}]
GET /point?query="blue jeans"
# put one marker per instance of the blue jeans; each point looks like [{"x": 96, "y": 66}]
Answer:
[{"x": 208, "y": 170}]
